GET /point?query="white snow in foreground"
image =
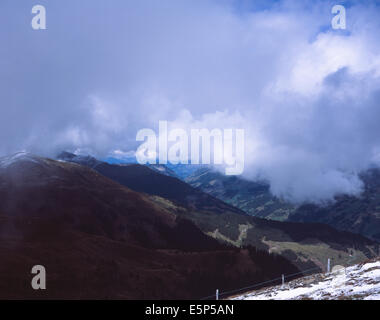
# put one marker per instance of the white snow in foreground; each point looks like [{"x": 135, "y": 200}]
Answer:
[{"x": 356, "y": 282}]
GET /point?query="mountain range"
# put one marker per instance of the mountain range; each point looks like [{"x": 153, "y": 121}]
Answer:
[
  {"x": 359, "y": 214},
  {"x": 253, "y": 197},
  {"x": 304, "y": 244},
  {"x": 99, "y": 239},
  {"x": 128, "y": 231}
]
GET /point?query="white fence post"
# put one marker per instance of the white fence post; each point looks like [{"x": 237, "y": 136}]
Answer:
[
  {"x": 217, "y": 294},
  {"x": 283, "y": 281},
  {"x": 328, "y": 265}
]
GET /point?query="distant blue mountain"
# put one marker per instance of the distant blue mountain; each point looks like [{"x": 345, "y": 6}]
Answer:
[
  {"x": 184, "y": 170},
  {"x": 126, "y": 160},
  {"x": 181, "y": 171}
]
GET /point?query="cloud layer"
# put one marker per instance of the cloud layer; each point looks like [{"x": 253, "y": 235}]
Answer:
[{"x": 307, "y": 96}]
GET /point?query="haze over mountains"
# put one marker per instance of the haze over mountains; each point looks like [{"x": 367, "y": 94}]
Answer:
[
  {"x": 305, "y": 94},
  {"x": 254, "y": 197},
  {"x": 304, "y": 244},
  {"x": 359, "y": 214},
  {"x": 300, "y": 96},
  {"x": 98, "y": 239},
  {"x": 126, "y": 231}
]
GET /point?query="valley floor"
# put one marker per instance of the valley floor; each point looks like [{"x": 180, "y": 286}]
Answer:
[{"x": 358, "y": 282}]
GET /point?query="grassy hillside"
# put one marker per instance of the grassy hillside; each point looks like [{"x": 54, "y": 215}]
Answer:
[{"x": 306, "y": 245}]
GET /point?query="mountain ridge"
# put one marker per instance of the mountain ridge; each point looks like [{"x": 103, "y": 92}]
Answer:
[
  {"x": 253, "y": 197},
  {"x": 306, "y": 245},
  {"x": 101, "y": 240}
]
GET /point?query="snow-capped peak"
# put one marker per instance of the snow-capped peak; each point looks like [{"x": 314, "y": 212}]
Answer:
[{"x": 7, "y": 161}]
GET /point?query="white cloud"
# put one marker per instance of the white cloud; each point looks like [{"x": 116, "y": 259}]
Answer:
[{"x": 306, "y": 95}]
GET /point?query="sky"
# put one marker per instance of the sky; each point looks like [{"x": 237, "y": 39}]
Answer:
[{"x": 307, "y": 96}]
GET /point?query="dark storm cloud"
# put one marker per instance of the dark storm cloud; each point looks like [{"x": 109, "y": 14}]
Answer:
[{"x": 306, "y": 95}]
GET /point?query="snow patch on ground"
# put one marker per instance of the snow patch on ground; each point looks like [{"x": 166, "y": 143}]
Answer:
[{"x": 357, "y": 282}]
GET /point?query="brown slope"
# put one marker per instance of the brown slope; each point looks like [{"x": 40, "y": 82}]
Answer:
[
  {"x": 98, "y": 239},
  {"x": 142, "y": 178}
]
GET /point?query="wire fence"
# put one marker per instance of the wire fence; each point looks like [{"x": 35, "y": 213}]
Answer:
[{"x": 260, "y": 284}]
